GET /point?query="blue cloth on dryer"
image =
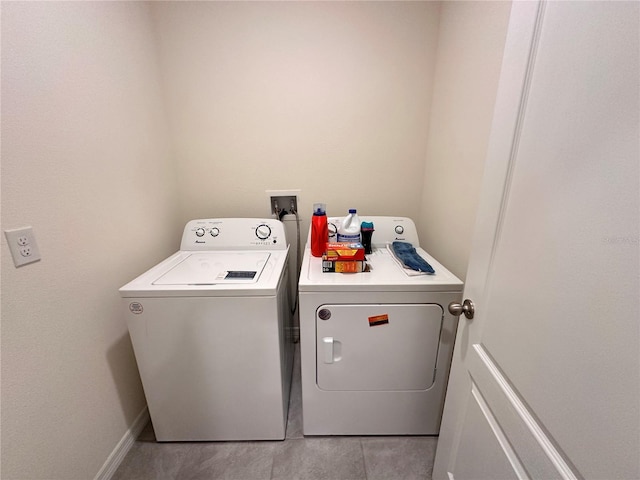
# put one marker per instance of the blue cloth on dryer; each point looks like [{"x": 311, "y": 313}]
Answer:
[{"x": 407, "y": 254}]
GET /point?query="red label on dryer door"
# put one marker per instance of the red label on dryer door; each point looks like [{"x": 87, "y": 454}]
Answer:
[{"x": 378, "y": 320}]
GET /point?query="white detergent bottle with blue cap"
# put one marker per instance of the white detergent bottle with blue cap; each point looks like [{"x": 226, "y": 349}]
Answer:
[{"x": 349, "y": 228}]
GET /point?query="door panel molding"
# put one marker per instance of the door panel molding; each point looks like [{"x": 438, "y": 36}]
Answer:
[
  {"x": 502, "y": 439},
  {"x": 538, "y": 452},
  {"x": 482, "y": 439}
]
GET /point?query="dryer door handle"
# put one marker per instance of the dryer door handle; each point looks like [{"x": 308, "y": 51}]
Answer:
[{"x": 327, "y": 345}]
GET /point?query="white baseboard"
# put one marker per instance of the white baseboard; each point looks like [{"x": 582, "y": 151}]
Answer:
[{"x": 124, "y": 445}]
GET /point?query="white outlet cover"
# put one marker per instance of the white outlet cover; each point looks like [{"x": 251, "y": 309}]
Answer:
[{"x": 23, "y": 246}]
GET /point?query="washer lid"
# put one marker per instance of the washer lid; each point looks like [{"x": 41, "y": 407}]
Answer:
[{"x": 216, "y": 268}]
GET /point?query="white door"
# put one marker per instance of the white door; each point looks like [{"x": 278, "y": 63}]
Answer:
[{"x": 545, "y": 380}]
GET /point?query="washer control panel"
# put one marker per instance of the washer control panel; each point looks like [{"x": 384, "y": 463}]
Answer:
[{"x": 234, "y": 234}]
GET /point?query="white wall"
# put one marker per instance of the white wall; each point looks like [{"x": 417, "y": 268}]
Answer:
[
  {"x": 85, "y": 161},
  {"x": 332, "y": 98},
  {"x": 470, "y": 46}
]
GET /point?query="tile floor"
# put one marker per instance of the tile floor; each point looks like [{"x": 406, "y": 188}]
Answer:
[{"x": 297, "y": 457}]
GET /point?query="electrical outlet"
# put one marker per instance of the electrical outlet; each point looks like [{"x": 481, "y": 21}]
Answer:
[{"x": 23, "y": 246}]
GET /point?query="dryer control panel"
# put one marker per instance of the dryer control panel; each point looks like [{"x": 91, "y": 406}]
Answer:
[
  {"x": 386, "y": 229},
  {"x": 234, "y": 234}
]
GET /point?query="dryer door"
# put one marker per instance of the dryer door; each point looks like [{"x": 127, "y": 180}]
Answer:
[{"x": 377, "y": 347}]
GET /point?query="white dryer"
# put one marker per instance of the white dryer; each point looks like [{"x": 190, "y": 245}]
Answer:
[
  {"x": 376, "y": 346},
  {"x": 211, "y": 331}
]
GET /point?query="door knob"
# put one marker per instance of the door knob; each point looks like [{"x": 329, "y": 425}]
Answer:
[{"x": 467, "y": 308}]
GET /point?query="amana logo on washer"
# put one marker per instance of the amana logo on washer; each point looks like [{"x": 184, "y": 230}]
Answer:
[{"x": 136, "y": 307}]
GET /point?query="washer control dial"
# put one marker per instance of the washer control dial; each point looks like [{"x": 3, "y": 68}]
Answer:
[
  {"x": 215, "y": 231},
  {"x": 399, "y": 229},
  {"x": 263, "y": 231},
  {"x": 199, "y": 232}
]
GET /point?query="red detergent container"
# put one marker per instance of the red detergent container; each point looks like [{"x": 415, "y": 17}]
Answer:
[{"x": 319, "y": 229}]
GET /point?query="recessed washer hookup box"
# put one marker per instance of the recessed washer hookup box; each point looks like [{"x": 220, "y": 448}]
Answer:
[{"x": 343, "y": 252}]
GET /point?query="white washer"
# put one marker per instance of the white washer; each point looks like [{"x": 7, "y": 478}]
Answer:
[
  {"x": 376, "y": 346},
  {"x": 211, "y": 330}
]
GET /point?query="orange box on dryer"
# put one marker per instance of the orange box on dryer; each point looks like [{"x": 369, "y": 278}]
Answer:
[{"x": 344, "y": 251}]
